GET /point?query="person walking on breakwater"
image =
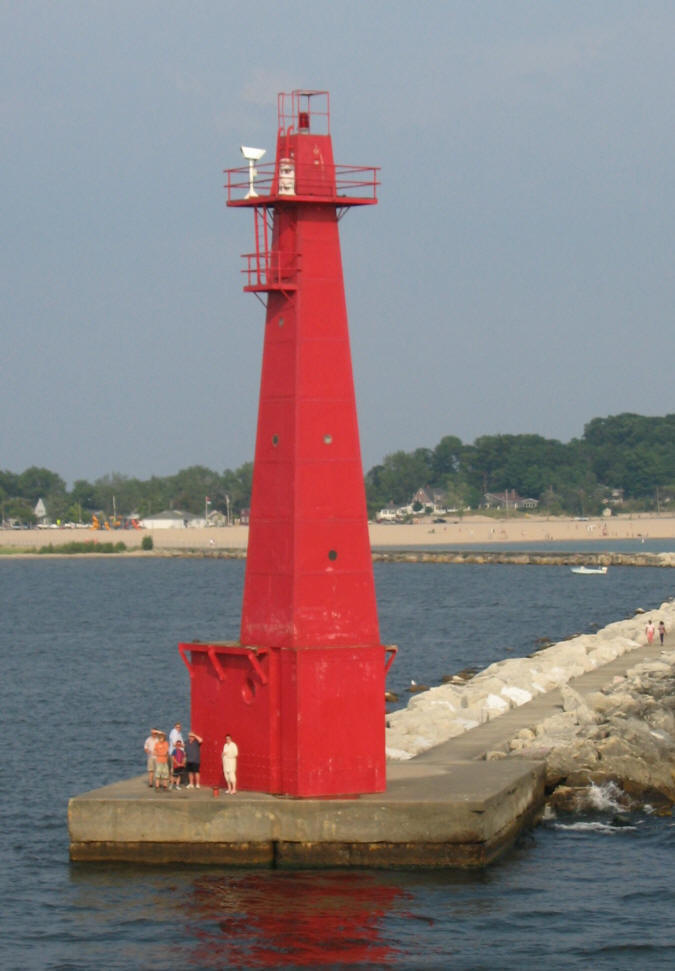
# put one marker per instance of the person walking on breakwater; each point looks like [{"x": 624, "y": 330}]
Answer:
[
  {"x": 649, "y": 631},
  {"x": 161, "y": 762},
  {"x": 149, "y": 748},
  {"x": 662, "y": 631},
  {"x": 193, "y": 756},
  {"x": 230, "y": 753}
]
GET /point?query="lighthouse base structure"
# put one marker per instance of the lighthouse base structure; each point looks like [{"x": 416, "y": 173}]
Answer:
[{"x": 307, "y": 721}]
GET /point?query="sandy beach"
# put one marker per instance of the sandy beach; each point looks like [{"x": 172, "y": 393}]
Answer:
[
  {"x": 470, "y": 530},
  {"x": 531, "y": 529}
]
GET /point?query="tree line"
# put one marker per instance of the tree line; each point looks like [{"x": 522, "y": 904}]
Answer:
[
  {"x": 624, "y": 458},
  {"x": 116, "y": 497},
  {"x": 628, "y": 456}
]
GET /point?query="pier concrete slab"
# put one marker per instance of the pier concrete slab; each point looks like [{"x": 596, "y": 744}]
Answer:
[
  {"x": 448, "y": 806},
  {"x": 457, "y": 814}
]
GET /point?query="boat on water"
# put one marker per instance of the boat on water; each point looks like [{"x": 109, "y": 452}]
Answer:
[{"x": 589, "y": 569}]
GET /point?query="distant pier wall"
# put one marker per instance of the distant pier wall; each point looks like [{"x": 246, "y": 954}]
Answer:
[{"x": 525, "y": 558}]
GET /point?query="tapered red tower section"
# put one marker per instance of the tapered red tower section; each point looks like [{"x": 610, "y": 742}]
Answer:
[{"x": 303, "y": 688}]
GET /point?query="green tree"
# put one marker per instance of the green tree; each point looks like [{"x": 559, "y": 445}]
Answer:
[
  {"x": 9, "y": 484},
  {"x": 237, "y": 485},
  {"x": 20, "y": 510},
  {"x": 632, "y": 452},
  {"x": 83, "y": 495},
  {"x": 446, "y": 459},
  {"x": 193, "y": 485},
  {"x": 399, "y": 477}
]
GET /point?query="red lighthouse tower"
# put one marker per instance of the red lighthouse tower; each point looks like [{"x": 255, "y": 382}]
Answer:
[{"x": 302, "y": 691}]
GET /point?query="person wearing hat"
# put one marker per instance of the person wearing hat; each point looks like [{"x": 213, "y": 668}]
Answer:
[
  {"x": 149, "y": 748},
  {"x": 161, "y": 762},
  {"x": 193, "y": 758}
]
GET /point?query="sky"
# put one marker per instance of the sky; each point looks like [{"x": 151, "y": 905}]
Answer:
[{"x": 515, "y": 277}]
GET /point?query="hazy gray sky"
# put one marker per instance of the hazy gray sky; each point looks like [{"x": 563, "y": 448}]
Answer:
[{"x": 516, "y": 276}]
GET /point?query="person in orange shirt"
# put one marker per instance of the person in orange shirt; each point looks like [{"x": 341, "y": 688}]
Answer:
[{"x": 161, "y": 761}]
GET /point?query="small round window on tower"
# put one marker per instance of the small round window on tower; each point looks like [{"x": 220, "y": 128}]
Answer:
[{"x": 332, "y": 554}]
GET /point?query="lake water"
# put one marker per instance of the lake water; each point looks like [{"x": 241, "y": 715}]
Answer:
[{"x": 89, "y": 661}]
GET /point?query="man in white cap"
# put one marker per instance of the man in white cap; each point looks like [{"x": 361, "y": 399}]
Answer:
[{"x": 149, "y": 748}]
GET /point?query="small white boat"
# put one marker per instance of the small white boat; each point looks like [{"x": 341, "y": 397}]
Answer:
[{"x": 589, "y": 569}]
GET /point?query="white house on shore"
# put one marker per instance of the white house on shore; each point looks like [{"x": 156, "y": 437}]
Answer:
[
  {"x": 508, "y": 500},
  {"x": 172, "y": 519},
  {"x": 426, "y": 501}
]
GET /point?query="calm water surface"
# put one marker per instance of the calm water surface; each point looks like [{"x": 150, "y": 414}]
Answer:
[{"x": 89, "y": 661}]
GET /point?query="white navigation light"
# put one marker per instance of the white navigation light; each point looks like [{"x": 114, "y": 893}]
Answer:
[{"x": 252, "y": 155}]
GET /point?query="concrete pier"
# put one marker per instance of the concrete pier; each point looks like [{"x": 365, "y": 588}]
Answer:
[
  {"x": 433, "y": 814},
  {"x": 447, "y": 807}
]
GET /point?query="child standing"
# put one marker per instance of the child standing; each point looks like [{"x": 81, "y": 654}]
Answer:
[{"x": 178, "y": 764}]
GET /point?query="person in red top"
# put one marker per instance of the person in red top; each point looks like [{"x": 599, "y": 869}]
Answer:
[
  {"x": 177, "y": 764},
  {"x": 161, "y": 762}
]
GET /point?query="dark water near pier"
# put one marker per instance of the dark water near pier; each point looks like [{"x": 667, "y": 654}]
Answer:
[{"x": 89, "y": 661}]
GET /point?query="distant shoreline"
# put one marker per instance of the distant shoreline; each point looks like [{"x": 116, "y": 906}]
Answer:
[{"x": 469, "y": 531}]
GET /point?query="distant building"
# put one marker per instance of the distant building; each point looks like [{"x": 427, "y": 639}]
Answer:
[
  {"x": 433, "y": 500},
  {"x": 172, "y": 519},
  {"x": 508, "y": 500},
  {"x": 216, "y": 518}
]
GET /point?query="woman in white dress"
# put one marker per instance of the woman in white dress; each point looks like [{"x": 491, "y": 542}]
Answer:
[{"x": 230, "y": 753}]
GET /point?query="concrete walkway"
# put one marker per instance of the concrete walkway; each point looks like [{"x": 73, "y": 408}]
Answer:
[{"x": 448, "y": 806}]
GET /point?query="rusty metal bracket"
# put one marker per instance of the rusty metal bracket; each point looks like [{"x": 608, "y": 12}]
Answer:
[
  {"x": 392, "y": 650},
  {"x": 213, "y": 650}
]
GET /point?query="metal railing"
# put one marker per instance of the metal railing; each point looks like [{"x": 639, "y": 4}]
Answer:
[
  {"x": 270, "y": 270},
  {"x": 329, "y": 182}
]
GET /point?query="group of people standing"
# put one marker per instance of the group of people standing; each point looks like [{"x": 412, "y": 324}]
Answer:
[{"x": 171, "y": 761}]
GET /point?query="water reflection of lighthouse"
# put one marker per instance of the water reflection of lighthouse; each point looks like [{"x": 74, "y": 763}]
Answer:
[
  {"x": 312, "y": 919},
  {"x": 303, "y": 688}
]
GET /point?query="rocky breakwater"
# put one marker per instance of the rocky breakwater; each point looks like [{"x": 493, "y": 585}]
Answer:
[
  {"x": 621, "y": 730},
  {"x": 525, "y": 558},
  {"x": 623, "y": 734}
]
